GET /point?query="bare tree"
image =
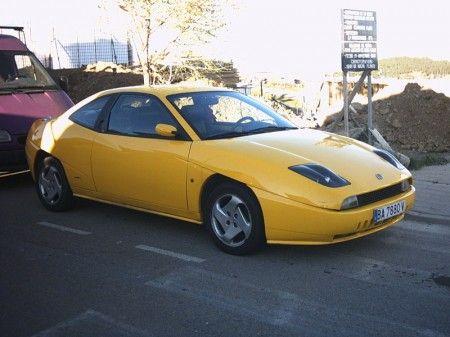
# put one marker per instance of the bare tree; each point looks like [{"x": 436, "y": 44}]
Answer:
[{"x": 168, "y": 32}]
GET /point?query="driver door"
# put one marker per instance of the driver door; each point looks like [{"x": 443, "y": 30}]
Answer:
[{"x": 133, "y": 165}]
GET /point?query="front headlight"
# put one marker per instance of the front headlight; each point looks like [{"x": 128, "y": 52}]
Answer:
[
  {"x": 320, "y": 174},
  {"x": 350, "y": 202},
  {"x": 389, "y": 157},
  {"x": 406, "y": 185},
  {"x": 4, "y": 136}
]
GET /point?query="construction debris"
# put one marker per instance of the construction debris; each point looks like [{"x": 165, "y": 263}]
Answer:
[
  {"x": 111, "y": 67},
  {"x": 415, "y": 119},
  {"x": 380, "y": 142}
]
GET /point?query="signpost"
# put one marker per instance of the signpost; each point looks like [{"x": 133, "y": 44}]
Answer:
[{"x": 358, "y": 53}]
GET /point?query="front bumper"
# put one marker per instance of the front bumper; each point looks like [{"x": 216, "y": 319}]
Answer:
[
  {"x": 291, "y": 222},
  {"x": 12, "y": 154},
  {"x": 12, "y": 160}
]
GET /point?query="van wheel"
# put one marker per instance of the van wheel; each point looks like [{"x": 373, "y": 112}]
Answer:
[
  {"x": 234, "y": 219},
  {"x": 52, "y": 186}
]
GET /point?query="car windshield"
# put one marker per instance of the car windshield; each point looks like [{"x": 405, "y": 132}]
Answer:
[
  {"x": 227, "y": 114},
  {"x": 22, "y": 71}
]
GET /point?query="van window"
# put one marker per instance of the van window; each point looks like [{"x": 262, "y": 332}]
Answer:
[
  {"x": 87, "y": 115},
  {"x": 21, "y": 70}
]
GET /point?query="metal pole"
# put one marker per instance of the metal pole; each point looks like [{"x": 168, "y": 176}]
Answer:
[
  {"x": 357, "y": 86},
  {"x": 56, "y": 48},
  {"x": 78, "y": 54},
  {"x": 369, "y": 107},
  {"x": 344, "y": 83},
  {"x": 95, "y": 48},
  {"x": 129, "y": 52}
]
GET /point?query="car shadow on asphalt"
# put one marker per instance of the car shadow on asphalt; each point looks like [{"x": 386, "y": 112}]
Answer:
[{"x": 142, "y": 222}]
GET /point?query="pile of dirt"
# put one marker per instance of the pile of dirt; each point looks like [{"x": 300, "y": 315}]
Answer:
[
  {"x": 85, "y": 83},
  {"x": 415, "y": 119},
  {"x": 93, "y": 78}
]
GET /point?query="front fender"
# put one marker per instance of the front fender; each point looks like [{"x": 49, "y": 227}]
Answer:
[{"x": 40, "y": 137}]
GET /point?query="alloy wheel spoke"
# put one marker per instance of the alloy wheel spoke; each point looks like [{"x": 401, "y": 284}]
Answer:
[
  {"x": 242, "y": 223},
  {"x": 231, "y": 205},
  {"x": 57, "y": 182},
  {"x": 44, "y": 179},
  {"x": 231, "y": 232},
  {"x": 44, "y": 182},
  {"x": 51, "y": 194},
  {"x": 220, "y": 215}
]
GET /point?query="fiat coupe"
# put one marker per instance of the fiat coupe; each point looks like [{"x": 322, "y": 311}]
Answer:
[{"x": 213, "y": 156}]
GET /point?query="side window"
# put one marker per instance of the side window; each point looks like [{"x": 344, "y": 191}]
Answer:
[
  {"x": 24, "y": 67},
  {"x": 138, "y": 115},
  {"x": 87, "y": 115}
]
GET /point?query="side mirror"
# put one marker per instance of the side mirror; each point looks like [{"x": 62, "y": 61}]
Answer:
[
  {"x": 166, "y": 130},
  {"x": 64, "y": 83}
]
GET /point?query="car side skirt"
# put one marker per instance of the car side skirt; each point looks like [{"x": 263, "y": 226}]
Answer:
[{"x": 138, "y": 208}]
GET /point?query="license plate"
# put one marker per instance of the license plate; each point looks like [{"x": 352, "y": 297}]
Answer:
[{"x": 389, "y": 211}]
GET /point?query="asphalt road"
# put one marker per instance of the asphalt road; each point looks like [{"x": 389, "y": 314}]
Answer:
[{"x": 101, "y": 270}]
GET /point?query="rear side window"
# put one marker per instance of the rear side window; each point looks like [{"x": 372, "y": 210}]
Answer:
[
  {"x": 87, "y": 115},
  {"x": 138, "y": 115}
]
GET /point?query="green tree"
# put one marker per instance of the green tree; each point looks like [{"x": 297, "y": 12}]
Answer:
[
  {"x": 170, "y": 31},
  {"x": 408, "y": 66}
]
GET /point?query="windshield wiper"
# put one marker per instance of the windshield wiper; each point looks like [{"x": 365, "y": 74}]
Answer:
[
  {"x": 35, "y": 87},
  {"x": 226, "y": 135},
  {"x": 271, "y": 128},
  {"x": 23, "y": 89},
  {"x": 250, "y": 132}
]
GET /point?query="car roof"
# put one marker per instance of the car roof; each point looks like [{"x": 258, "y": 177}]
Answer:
[
  {"x": 8, "y": 42},
  {"x": 161, "y": 90}
]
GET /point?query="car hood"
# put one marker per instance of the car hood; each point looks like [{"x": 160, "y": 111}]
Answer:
[
  {"x": 263, "y": 161},
  {"x": 19, "y": 110}
]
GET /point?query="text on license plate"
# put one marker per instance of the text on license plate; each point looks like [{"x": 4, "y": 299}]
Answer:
[{"x": 389, "y": 211}]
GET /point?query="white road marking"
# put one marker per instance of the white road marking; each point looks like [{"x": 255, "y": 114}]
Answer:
[
  {"x": 63, "y": 228},
  {"x": 170, "y": 253},
  {"x": 9, "y": 174},
  {"x": 280, "y": 308},
  {"x": 92, "y": 323}
]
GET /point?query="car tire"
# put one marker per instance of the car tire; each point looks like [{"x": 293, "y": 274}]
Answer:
[
  {"x": 234, "y": 219},
  {"x": 52, "y": 186}
]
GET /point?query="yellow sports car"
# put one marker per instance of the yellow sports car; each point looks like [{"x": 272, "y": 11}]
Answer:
[{"x": 217, "y": 157}]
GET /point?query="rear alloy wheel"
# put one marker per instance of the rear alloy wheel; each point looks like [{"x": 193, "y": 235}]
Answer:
[
  {"x": 234, "y": 219},
  {"x": 52, "y": 187}
]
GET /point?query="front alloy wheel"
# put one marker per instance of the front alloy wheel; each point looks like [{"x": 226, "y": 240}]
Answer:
[
  {"x": 234, "y": 219},
  {"x": 231, "y": 220}
]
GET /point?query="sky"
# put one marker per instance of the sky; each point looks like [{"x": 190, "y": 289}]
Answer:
[{"x": 289, "y": 37}]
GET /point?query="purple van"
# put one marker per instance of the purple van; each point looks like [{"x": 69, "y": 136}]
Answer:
[{"x": 27, "y": 92}]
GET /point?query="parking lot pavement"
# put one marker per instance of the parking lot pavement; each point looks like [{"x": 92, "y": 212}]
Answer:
[
  {"x": 100, "y": 270},
  {"x": 433, "y": 192}
]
